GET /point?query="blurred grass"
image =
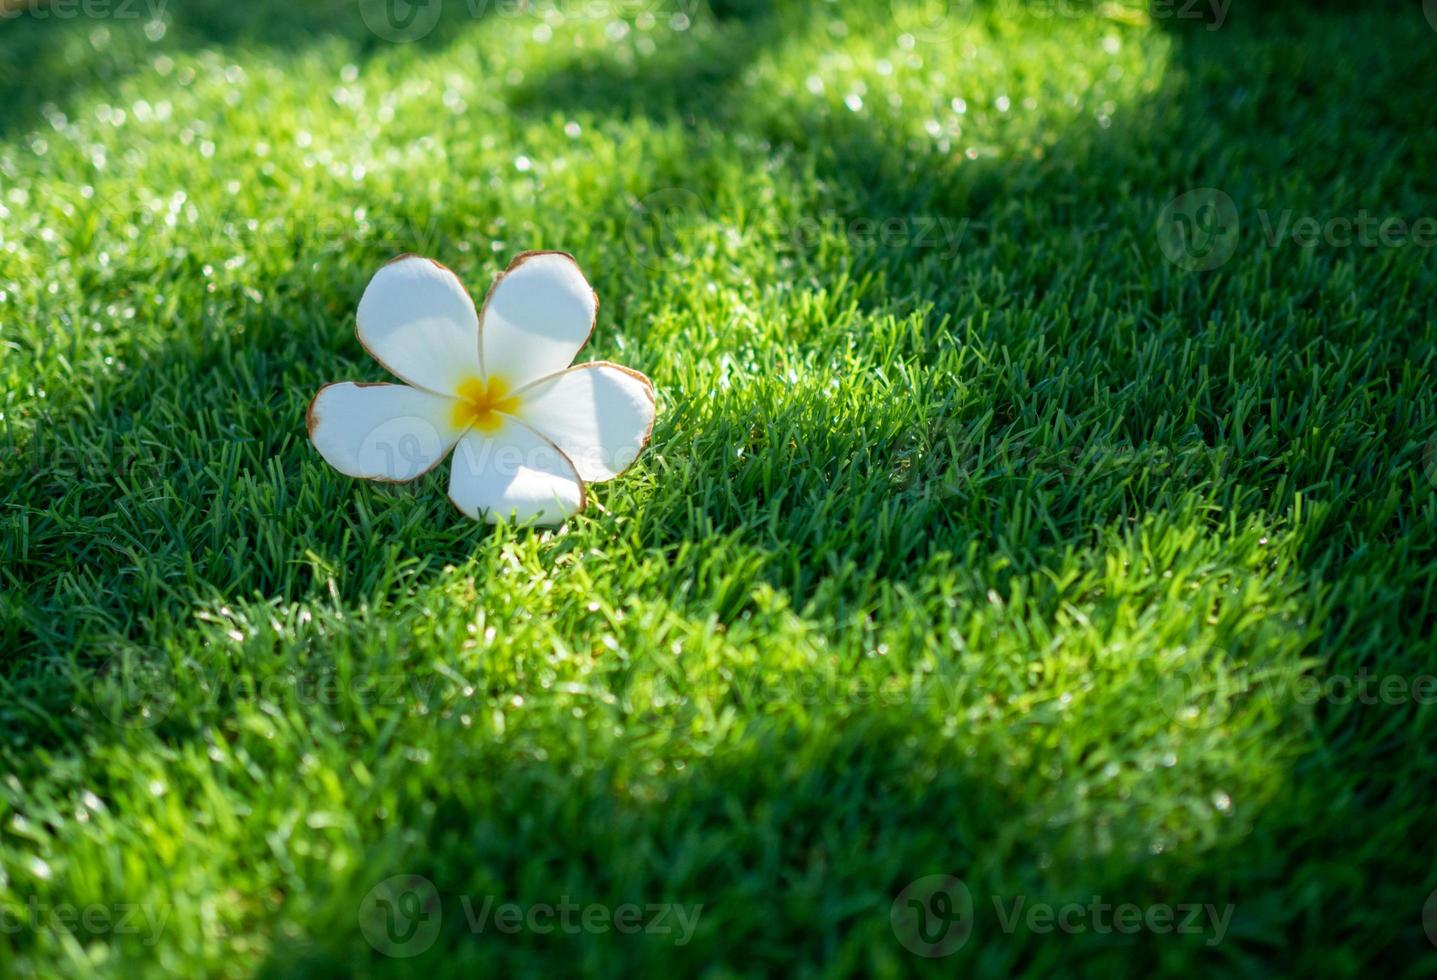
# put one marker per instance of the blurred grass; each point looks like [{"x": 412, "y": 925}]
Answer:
[{"x": 975, "y": 536}]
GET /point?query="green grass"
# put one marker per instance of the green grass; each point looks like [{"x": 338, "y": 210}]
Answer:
[{"x": 993, "y": 544}]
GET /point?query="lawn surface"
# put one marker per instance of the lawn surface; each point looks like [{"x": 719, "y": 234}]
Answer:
[{"x": 976, "y": 536}]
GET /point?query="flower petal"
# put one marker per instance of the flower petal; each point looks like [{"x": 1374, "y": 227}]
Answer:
[
  {"x": 599, "y": 415},
  {"x": 514, "y": 473},
  {"x": 538, "y": 314},
  {"x": 381, "y": 432},
  {"x": 417, "y": 319}
]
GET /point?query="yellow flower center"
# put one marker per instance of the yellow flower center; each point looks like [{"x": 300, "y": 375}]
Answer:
[{"x": 479, "y": 403}]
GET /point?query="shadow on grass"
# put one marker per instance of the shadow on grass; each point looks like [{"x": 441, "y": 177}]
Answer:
[
  {"x": 816, "y": 830},
  {"x": 54, "y": 49}
]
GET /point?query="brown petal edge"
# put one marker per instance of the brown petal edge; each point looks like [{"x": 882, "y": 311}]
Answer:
[
  {"x": 519, "y": 260},
  {"x": 442, "y": 268}
]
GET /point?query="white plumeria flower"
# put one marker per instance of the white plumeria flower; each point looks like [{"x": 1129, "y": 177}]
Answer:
[{"x": 529, "y": 429}]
